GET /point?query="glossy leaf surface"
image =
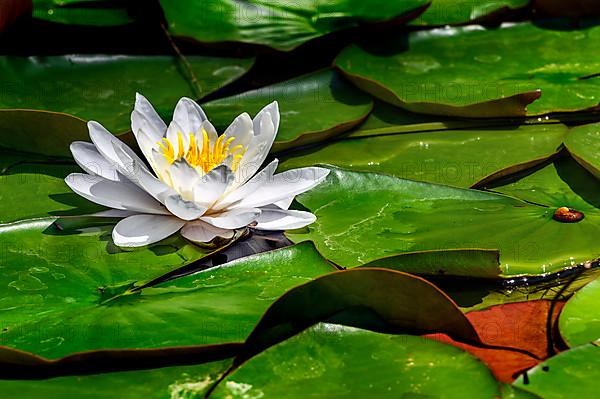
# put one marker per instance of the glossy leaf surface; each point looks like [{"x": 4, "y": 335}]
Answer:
[
  {"x": 476, "y": 72},
  {"x": 454, "y": 157},
  {"x": 103, "y": 87},
  {"x": 283, "y": 26},
  {"x": 362, "y": 217},
  {"x": 313, "y": 108}
]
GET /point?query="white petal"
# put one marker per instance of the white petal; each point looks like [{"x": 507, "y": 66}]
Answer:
[
  {"x": 118, "y": 195},
  {"x": 173, "y": 132},
  {"x": 89, "y": 159},
  {"x": 273, "y": 112},
  {"x": 280, "y": 219},
  {"x": 140, "y": 230},
  {"x": 113, "y": 213},
  {"x": 162, "y": 167},
  {"x": 202, "y": 232},
  {"x": 265, "y": 126},
  {"x": 264, "y": 176},
  {"x": 147, "y": 145},
  {"x": 141, "y": 176},
  {"x": 212, "y": 185},
  {"x": 242, "y": 129},
  {"x": 186, "y": 210},
  {"x": 183, "y": 176},
  {"x": 233, "y": 219},
  {"x": 211, "y": 131},
  {"x": 189, "y": 115},
  {"x": 105, "y": 143},
  {"x": 284, "y": 185},
  {"x": 187, "y": 118},
  {"x": 284, "y": 203},
  {"x": 144, "y": 117}
]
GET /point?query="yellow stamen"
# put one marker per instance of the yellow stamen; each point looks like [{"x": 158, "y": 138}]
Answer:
[
  {"x": 180, "y": 152},
  {"x": 207, "y": 158}
]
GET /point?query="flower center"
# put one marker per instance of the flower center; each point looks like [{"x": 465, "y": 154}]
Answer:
[{"x": 207, "y": 155}]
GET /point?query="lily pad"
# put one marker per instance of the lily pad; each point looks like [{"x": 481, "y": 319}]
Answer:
[
  {"x": 282, "y": 26},
  {"x": 451, "y": 12},
  {"x": 360, "y": 298},
  {"x": 301, "y": 101},
  {"x": 512, "y": 392},
  {"x": 101, "y": 88},
  {"x": 387, "y": 119},
  {"x": 579, "y": 321},
  {"x": 482, "y": 263},
  {"x": 362, "y": 217},
  {"x": 455, "y": 157},
  {"x": 583, "y": 142},
  {"x": 562, "y": 183},
  {"x": 573, "y": 373},
  {"x": 41, "y": 186},
  {"x": 331, "y": 361},
  {"x": 476, "y": 72},
  {"x": 83, "y": 12},
  {"x": 68, "y": 293},
  {"x": 168, "y": 382}
]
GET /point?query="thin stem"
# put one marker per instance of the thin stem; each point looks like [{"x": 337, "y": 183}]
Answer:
[{"x": 193, "y": 80}]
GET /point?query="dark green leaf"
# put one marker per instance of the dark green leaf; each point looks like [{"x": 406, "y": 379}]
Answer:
[
  {"x": 583, "y": 142},
  {"x": 455, "y": 157},
  {"x": 579, "y": 321},
  {"x": 280, "y": 25},
  {"x": 362, "y": 217},
  {"x": 361, "y": 298},
  {"x": 476, "y": 72},
  {"x": 41, "y": 186},
  {"x": 561, "y": 183},
  {"x": 83, "y": 12},
  {"x": 98, "y": 87},
  {"x": 302, "y": 104},
  {"x": 65, "y": 292},
  {"x": 450, "y": 12},
  {"x": 330, "y": 361},
  {"x": 571, "y": 374},
  {"x": 172, "y": 382}
]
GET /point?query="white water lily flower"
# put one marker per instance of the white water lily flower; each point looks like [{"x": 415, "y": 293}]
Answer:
[{"x": 197, "y": 182}]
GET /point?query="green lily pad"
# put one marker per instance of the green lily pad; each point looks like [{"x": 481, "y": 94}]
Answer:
[
  {"x": 301, "y": 103},
  {"x": 579, "y": 321},
  {"x": 561, "y": 183},
  {"x": 451, "y": 12},
  {"x": 169, "y": 382},
  {"x": 360, "y": 298},
  {"x": 572, "y": 374},
  {"x": 20, "y": 131},
  {"x": 476, "y": 72},
  {"x": 282, "y": 26},
  {"x": 331, "y": 361},
  {"x": 482, "y": 263},
  {"x": 362, "y": 217},
  {"x": 41, "y": 186},
  {"x": 386, "y": 119},
  {"x": 101, "y": 88},
  {"x": 455, "y": 157},
  {"x": 512, "y": 392},
  {"x": 583, "y": 142},
  {"x": 68, "y": 292},
  {"x": 83, "y": 12}
]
